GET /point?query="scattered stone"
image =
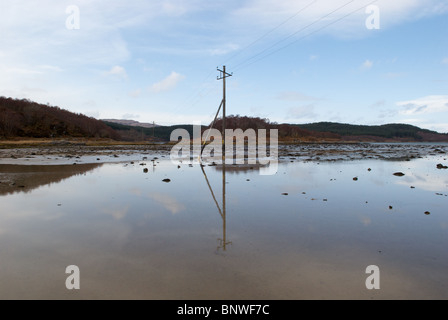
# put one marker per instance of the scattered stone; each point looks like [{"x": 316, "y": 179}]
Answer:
[
  {"x": 441, "y": 166},
  {"x": 390, "y": 207},
  {"x": 98, "y": 159},
  {"x": 399, "y": 174},
  {"x": 369, "y": 169},
  {"x": 325, "y": 200},
  {"x": 355, "y": 179},
  {"x": 427, "y": 213},
  {"x": 285, "y": 194},
  {"x": 145, "y": 170},
  {"x": 412, "y": 187},
  {"x": 166, "y": 180},
  {"x": 178, "y": 167}
]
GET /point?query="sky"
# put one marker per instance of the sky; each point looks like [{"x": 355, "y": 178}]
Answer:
[{"x": 293, "y": 61}]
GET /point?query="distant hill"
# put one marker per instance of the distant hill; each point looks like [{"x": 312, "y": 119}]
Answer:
[
  {"x": 387, "y": 132},
  {"x": 25, "y": 118},
  {"x": 131, "y": 123}
]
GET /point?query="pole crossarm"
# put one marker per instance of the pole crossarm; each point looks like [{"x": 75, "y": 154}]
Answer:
[{"x": 223, "y": 74}]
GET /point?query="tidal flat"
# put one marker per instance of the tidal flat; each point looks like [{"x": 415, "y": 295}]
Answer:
[{"x": 141, "y": 227}]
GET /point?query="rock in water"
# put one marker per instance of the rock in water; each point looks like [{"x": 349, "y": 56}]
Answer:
[
  {"x": 399, "y": 174},
  {"x": 166, "y": 180}
]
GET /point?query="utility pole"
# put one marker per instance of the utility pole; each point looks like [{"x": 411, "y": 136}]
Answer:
[{"x": 223, "y": 75}]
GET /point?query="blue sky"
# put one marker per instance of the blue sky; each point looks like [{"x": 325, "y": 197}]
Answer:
[{"x": 295, "y": 61}]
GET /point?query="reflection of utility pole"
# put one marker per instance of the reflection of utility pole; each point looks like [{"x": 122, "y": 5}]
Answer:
[
  {"x": 223, "y": 75},
  {"x": 222, "y": 242}
]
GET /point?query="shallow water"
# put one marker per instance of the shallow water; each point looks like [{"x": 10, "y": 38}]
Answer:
[{"x": 134, "y": 236}]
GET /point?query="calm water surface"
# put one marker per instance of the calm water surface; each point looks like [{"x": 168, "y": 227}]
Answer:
[{"x": 308, "y": 232}]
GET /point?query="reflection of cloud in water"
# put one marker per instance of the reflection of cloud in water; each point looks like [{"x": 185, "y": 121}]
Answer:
[
  {"x": 366, "y": 221},
  {"x": 117, "y": 213},
  {"x": 168, "y": 202},
  {"x": 436, "y": 183},
  {"x": 136, "y": 192}
]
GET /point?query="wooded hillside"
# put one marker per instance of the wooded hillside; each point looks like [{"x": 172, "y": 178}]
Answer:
[{"x": 24, "y": 118}]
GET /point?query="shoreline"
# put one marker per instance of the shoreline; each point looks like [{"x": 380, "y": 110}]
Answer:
[{"x": 60, "y": 154}]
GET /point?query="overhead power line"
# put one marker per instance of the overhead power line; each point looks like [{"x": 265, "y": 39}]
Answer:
[
  {"x": 293, "y": 34},
  {"x": 305, "y": 36},
  {"x": 271, "y": 31}
]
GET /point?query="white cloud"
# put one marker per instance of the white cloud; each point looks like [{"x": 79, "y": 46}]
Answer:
[
  {"x": 394, "y": 75},
  {"x": 168, "y": 83},
  {"x": 304, "y": 113},
  {"x": 425, "y": 105},
  {"x": 117, "y": 72},
  {"x": 50, "y": 68},
  {"x": 224, "y": 50},
  {"x": 367, "y": 65},
  {"x": 136, "y": 93},
  {"x": 445, "y": 61},
  {"x": 379, "y": 103},
  {"x": 294, "y": 96}
]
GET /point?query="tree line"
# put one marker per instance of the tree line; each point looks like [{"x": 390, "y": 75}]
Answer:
[
  {"x": 285, "y": 131},
  {"x": 25, "y": 118}
]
